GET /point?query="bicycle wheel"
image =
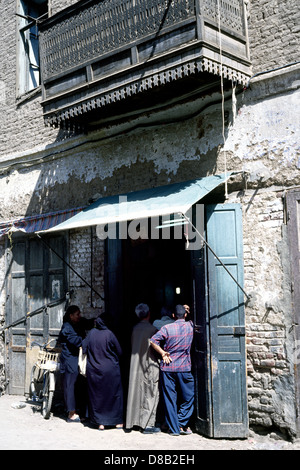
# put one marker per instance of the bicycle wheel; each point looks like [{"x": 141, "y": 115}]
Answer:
[
  {"x": 48, "y": 392},
  {"x": 35, "y": 382}
]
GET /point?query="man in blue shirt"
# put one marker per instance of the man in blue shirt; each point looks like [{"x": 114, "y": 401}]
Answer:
[{"x": 175, "y": 370}]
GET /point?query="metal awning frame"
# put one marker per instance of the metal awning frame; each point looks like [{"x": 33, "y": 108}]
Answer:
[{"x": 215, "y": 255}]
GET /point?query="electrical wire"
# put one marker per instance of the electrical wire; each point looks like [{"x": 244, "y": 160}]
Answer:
[
  {"x": 222, "y": 101},
  {"x": 215, "y": 255}
]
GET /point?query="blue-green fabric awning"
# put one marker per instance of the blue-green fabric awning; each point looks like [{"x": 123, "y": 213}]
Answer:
[{"x": 162, "y": 200}]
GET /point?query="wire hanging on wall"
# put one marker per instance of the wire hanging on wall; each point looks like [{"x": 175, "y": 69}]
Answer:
[{"x": 223, "y": 99}]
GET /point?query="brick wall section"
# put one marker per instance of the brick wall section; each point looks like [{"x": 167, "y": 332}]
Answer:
[
  {"x": 56, "y": 5},
  {"x": 87, "y": 258},
  {"x": 274, "y": 33},
  {"x": 22, "y": 125}
]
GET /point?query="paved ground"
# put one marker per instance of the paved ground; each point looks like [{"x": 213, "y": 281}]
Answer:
[{"x": 25, "y": 429}]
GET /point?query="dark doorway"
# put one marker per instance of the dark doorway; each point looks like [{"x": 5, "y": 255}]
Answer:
[{"x": 156, "y": 272}]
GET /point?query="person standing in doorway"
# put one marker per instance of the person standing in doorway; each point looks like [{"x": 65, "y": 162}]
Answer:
[
  {"x": 175, "y": 370},
  {"x": 165, "y": 318},
  {"x": 143, "y": 391},
  {"x": 74, "y": 385},
  {"x": 103, "y": 376}
]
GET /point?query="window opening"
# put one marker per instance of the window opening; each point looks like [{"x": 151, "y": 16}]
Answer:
[{"x": 29, "y": 14}]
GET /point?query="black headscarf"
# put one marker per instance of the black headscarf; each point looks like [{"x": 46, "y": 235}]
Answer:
[{"x": 99, "y": 324}]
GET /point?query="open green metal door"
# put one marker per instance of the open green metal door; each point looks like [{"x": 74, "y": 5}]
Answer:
[{"x": 227, "y": 322}]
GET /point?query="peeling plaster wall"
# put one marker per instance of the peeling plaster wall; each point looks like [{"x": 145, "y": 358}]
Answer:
[
  {"x": 262, "y": 141},
  {"x": 100, "y": 164},
  {"x": 264, "y": 135}
]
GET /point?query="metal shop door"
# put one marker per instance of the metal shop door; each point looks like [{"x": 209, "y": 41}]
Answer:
[
  {"x": 36, "y": 277},
  {"x": 220, "y": 351}
]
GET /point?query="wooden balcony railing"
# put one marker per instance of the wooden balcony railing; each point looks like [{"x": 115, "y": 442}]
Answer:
[{"x": 98, "y": 52}]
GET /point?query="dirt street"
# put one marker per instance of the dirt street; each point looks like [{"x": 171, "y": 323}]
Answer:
[{"x": 23, "y": 428}]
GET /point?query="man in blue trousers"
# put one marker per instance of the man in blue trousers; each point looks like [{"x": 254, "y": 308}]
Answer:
[{"x": 175, "y": 370}]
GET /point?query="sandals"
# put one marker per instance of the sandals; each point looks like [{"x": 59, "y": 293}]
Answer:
[
  {"x": 75, "y": 419},
  {"x": 102, "y": 427},
  {"x": 185, "y": 431}
]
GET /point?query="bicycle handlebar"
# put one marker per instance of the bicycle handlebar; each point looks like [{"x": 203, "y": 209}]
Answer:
[{"x": 42, "y": 346}]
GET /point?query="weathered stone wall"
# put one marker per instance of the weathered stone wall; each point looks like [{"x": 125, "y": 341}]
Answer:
[
  {"x": 56, "y": 5},
  {"x": 269, "y": 312},
  {"x": 274, "y": 33},
  {"x": 264, "y": 138},
  {"x": 43, "y": 169}
]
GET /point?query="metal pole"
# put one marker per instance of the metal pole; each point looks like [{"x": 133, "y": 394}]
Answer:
[
  {"x": 69, "y": 266},
  {"x": 34, "y": 312}
]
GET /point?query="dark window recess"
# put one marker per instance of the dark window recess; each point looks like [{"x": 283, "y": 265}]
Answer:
[{"x": 30, "y": 14}]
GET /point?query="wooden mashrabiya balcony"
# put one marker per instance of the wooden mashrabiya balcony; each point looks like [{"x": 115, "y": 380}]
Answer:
[{"x": 95, "y": 53}]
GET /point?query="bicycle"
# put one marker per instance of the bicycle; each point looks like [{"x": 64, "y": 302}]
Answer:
[{"x": 42, "y": 379}]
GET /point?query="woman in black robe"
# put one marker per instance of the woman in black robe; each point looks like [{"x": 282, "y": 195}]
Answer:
[{"x": 104, "y": 376}]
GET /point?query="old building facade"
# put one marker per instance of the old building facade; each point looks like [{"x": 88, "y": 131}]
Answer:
[{"x": 58, "y": 157}]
